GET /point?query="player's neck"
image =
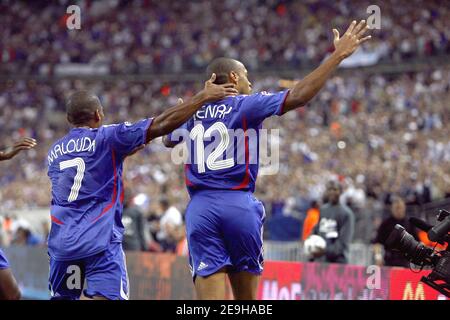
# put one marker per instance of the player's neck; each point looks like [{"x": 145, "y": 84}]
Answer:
[
  {"x": 82, "y": 127},
  {"x": 87, "y": 126}
]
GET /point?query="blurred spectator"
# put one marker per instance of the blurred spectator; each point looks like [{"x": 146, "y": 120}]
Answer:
[
  {"x": 354, "y": 197},
  {"x": 170, "y": 221},
  {"x": 134, "y": 224},
  {"x": 182, "y": 245},
  {"x": 23, "y": 236},
  {"x": 6, "y": 230},
  {"x": 398, "y": 216},
  {"x": 46, "y": 225},
  {"x": 336, "y": 225},
  {"x": 129, "y": 37},
  {"x": 311, "y": 220}
]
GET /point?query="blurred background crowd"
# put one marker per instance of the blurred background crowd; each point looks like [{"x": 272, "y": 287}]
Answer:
[
  {"x": 379, "y": 134},
  {"x": 156, "y": 36}
]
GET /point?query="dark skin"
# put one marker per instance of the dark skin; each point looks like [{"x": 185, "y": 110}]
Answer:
[
  {"x": 21, "y": 145},
  {"x": 175, "y": 116},
  {"x": 301, "y": 92},
  {"x": 9, "y": 290},
  {"x": 244, "y": 284},
  {"x": 304, "y": 90},
  {"x": 333, "y": 193},
  {"x": 170, "y": 119}
]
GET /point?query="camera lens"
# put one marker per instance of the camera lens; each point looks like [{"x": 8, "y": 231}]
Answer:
[{"x": 401, "y": 240}]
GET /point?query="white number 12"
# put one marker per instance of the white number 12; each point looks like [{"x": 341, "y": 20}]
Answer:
[
  {"x": 198, "y": 134},
  {"x": 79, "y": 163}
]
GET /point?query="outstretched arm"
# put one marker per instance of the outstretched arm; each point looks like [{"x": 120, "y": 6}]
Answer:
[
  {"x": 175, "y": 116},
  {"x": 306, "y": 89},
  {"x": 166, "y": 139},
  {"x": 167, "y": 143},
  {"x": 23, "y": 144}
]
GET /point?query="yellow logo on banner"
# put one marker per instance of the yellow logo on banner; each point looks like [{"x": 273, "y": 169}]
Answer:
[{"x": 409, "y": 294}]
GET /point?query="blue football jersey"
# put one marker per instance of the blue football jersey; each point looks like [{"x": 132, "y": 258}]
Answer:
[
  {"x": 223, "y": 141},
  {"x": 85, "y": 169}
]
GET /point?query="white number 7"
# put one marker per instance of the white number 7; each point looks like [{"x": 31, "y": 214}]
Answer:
[{"x": 79, "y": 163}]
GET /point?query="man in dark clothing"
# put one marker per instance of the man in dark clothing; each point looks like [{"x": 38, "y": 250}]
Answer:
[
  {"x": 336, "y": 226},
  {"x": 133, "y": 221},
  {"x": 398, "y": 216}
]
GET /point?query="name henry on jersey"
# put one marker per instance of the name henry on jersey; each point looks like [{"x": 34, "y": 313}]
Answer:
[
  {"x": 84, "y": 144},
  {"x": 213, "y": 111}
]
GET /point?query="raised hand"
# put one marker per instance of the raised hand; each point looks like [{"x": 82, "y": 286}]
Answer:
[
  {"x": 214, "y": 92},
  {"x": 351, "y": 39},
  {"x": 22, "y": 144}
]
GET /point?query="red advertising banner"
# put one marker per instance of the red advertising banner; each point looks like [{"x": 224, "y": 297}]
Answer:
[
  {"x": 314, "y": 281},
  {"x": 323, "y": 281},
  {"x": 280, "y": 281},
  {"x": 405, "y": 285}
]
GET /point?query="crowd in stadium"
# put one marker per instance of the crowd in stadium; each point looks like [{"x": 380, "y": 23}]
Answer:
[
  {"x": 355, "y": 143},
  {"x": 152, "y": 36},
  {"x": 378, "y": 135}
]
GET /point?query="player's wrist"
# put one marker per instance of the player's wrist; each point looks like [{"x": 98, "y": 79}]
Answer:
[
  {"x": 337, "y": 56},
  {"x": 200, "y": 97},
  {"x": 7, "y": 153}
]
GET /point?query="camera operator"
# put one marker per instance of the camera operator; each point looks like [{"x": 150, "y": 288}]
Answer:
[{"x": 398, "y": 216}]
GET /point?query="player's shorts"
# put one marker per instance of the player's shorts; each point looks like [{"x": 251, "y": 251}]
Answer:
[
  {"x": 224, "y": 230},
  {"x": 105, "y": 274},
  {"x": 3, "y": 261}
]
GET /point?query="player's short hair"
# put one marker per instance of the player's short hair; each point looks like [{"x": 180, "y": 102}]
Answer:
[
  {"x": 81, "y": 106},
  {"x": 222, "y": 68}
]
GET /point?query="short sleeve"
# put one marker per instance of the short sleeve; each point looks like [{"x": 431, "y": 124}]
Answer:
[
  {"x": 260, "y": 106},
  {"x": 126, "y": 137}
]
